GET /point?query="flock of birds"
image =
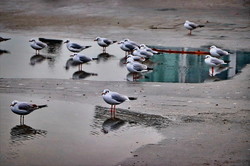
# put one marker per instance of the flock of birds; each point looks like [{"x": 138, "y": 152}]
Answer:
[{"x": 135, "y": 55}]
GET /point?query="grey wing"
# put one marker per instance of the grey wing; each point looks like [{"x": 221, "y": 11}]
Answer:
[
  {"x": 193, "y": 25},
  {"x": 138, "y": 67},
  {"x": 216, "y": 61},
  {"x": 129, "y": 46},
  {"x": 108, "y": 42},
  {"x": 220, "y": 52},
  {"x": 118, "y": 97},
  {"x": 75, "y": 46},
  {"x": 84, "y": 59},
  {"x": 41, "y": 44},
  {"x": 26, "y": 106}
]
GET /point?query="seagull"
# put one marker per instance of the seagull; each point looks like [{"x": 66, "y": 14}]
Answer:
[
  {"x": 37, "y": 45},
  {"x": 136, "y": 58},
  {"x": 80, "y": 59},
  {"x": 142, "y": 53},
  {"x": 127, "y": 47},
  {"x": 131, "y": 42},
  {"x": 24, "y": 108},
  {"x": 114, "y": 98},
  {"x": 4, "y": 39},
  {"x": 74, "y": 47},
  {"x": 217, "y": 52},
  {"x": 213, "y": 62},
  {"x": 191, "y": 26},
  {"x": 148, "y": 49},
  {"x": 104, "y": 42},
  {"x": 136, "y": 67}
]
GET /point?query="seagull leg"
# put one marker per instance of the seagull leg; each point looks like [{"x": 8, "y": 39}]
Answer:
[
  {"x": 189, "y": 32},
  {"x": 212, "y": 71}
]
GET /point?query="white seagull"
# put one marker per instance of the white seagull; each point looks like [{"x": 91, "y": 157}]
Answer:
[
  {"x": 80, "y": 59},
  {"x": 37, "y": 45},
  {"x": 127, "y": 47},
  {"x": 114, "y": 98},
  {"x": 136, "y": 67},
  {"x": 104, "y": 42},
  {"x": 191, "y": 26},
  {"x": 217, "y": 52},
  {"x": 213, "y": 62},
  {"x": 142, "y": 53},
  {"x": 143, "y": 46},
  {"x": 24, "y": 108},
  {"x": 74, "y": 47}
]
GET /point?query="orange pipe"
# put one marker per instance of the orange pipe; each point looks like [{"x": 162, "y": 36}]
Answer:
[{"x": 182, "y": 51}]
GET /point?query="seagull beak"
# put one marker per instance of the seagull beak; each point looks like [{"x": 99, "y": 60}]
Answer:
[
  {"x": 72, "y": 55},
  {"x": 95, "y": 40}
]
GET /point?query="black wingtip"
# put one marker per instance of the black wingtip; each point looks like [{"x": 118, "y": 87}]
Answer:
[
  {"x": 132, "y": 98},
  {"x": 42, "y": 106}
]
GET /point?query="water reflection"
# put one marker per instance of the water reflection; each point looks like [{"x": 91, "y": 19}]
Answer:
[
  {"x": 54, "y": 45},
  {"x": 105, "y": 123},
  {"x": 21, "y": 133},
  {"x": 168, "y": 67},
  {"x": 190, "y": 68},
  {"x": 4, "y": 52},
  {"x": 82, "y": 75},
  {"x": 112, "y": 124},
  {"x": 104, "y": 57}
]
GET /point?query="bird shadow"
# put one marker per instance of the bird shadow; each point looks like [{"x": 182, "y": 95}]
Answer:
[
  {"x": 104, "y": 56},
  {"x": 21, "y": 133},
  {"x": 39, "y": 58},
  {"x": 82, "y": 75},
  {"x": 4, "y": 52}
]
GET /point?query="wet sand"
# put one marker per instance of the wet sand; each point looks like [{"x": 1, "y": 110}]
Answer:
[{"x": 209, "y": 121}]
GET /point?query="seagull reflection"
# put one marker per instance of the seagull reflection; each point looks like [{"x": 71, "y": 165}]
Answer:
[
  {"x": 104, "y": 57},
  {"x": 4, "y": 52},
  {"x": 112, "y": 124},
  {"x": 38, "y": 58},
  {"x": 135, "y": 76},
  {"x": 21, "y": 133},
  {"x": 213, "y": 71},
  {"x": 82, "y": 75}
]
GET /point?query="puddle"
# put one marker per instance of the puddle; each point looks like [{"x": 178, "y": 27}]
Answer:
[
  {"x": 18, "y": 60},
  {"x": 77, "y": 133}
]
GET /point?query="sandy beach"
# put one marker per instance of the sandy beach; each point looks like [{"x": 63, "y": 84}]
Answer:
[{"x": 209, "y": 121}]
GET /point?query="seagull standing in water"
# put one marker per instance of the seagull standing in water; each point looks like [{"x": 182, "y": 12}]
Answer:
[
  {"x": 214, "y": 62},
  {"x": 24, "y": 108},
  {"x": 191, "y": 26},
  {"x": 104, "y": 42},
  {"x": 74, "y": 47},
  {"x": 217, "y": 52},
  {"x": 37, "y": 45},
  {"x": 114, "y": 98},
  {"x": 80, "y": 58}
]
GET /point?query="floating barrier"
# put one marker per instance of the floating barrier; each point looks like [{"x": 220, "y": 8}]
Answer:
[{"x": 198, "y": 52}]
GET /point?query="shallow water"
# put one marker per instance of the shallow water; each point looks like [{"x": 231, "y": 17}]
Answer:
[
  {"x": 18, "y": 60},
  {"x": 67, "y": 133}
]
